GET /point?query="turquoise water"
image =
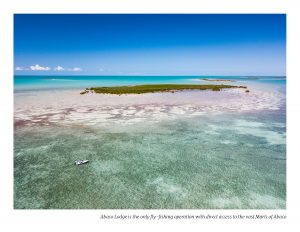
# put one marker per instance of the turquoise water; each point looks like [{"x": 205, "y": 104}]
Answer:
[
  {"x": 225, "y": 160},
  {"x": 69, "y": 82}
]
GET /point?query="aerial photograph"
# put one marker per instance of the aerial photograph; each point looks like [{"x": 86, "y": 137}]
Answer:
[{"x": 149, "y": 111}]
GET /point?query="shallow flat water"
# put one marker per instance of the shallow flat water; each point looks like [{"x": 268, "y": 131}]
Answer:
[
  {"x": 40, "y": 83},
  {"x": 150, "y": 153},
  {"x": 215, "y": 162}
]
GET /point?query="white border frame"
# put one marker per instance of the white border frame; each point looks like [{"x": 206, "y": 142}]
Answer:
[{"x": 74, "y": 220}]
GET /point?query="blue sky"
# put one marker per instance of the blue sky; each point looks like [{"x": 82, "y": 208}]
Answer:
[{"x": 104, "y": 44}]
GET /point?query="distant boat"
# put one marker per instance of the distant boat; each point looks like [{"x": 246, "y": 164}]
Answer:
[{"x": 79, "y": 162}]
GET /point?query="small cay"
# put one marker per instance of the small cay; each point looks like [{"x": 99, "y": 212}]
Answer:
[
  {"x": 217, "y": 80},
  {"x": 139, "y": 89}
]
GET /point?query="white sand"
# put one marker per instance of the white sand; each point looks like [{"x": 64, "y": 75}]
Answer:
[{"x": 68, "y": 106}]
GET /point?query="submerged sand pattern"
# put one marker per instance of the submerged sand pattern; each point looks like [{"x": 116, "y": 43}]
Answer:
[
  {"x": 187, "y": 150},
  {"x": 95, "y": 109}
]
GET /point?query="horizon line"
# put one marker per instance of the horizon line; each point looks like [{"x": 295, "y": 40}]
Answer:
[{"x": 158, "y": 75}]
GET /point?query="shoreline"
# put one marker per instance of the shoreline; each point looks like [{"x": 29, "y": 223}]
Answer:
[
  {"x": 68, "y": 106},
  {"x": 217, "y": 80},
  {"x": 157, "y": 88},
  {"x": 225, "y": 133}
]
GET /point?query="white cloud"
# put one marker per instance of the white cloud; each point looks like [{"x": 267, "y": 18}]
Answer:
[
  {"x": 101, "y": 69},
  {"x": 59, "y": 68},
  {"x": 39, "y": 68},
  {"x": 20, "y": 68},
  {"x": 76, "y": 69}
]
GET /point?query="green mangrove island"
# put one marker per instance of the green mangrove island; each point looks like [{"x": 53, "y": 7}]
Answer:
[{"x": 139, "y": 89}]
